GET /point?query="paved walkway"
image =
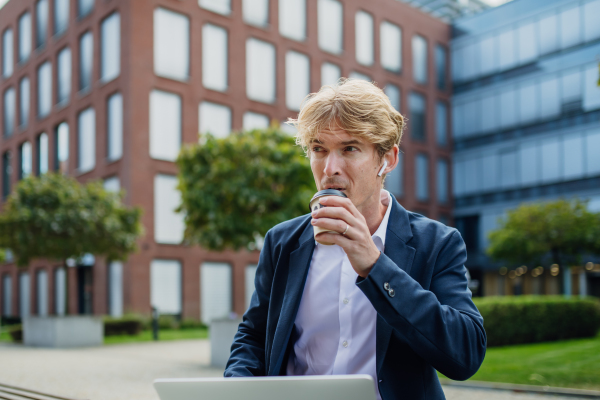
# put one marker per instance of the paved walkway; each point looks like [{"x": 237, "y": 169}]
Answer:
[{"x": 126, "y": 372}]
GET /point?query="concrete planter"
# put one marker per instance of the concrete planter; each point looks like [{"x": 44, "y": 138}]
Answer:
[
  {"x": 222, "y": 332},
  {"x": 64, "y": 331}
]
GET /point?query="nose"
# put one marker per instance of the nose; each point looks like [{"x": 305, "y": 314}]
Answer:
[{"x": 333, "y": 164}]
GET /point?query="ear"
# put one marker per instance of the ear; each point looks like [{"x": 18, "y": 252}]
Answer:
[{"x": 390, "y": 160}]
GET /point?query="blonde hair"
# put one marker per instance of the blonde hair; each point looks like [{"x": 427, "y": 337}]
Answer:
[{"x": 354, "y": 105}]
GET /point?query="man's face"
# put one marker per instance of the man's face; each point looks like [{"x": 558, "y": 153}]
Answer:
[{"x": 341, "y": 161}]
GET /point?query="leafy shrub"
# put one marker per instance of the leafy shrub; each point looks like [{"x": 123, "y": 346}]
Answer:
[
  {"x": 512, "y": 320},
  {"x": 191, "y": 324},
  {"x": 122, "y": 326},
  {"x": 168, "y": 322},
  {"x": 16, "y": 333}
]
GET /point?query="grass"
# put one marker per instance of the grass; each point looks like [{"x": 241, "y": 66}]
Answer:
[
  {"x": 569, "y": 363},
  {"x": 4, "y": 336},
  {"x": 164, "y": 334}
]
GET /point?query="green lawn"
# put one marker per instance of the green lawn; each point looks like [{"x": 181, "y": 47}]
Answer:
[
  {"x": 165, "y": 334},
  {"x": 570, "y": 363}
]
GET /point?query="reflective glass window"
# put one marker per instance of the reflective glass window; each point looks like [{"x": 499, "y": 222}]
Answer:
[
  {"x": 25, "y": 160},
  {"x": 216, "y": 6},
  {"x": 508, "y": 166},
  {"x": 551, "y": 162},
  {"x": 168, "y": 224},
  {"x": 215, "y": 119},
  {"x": 393, "y": 93},
  {"x": 165, "y": 125},
  {"x": 571, "y": 85},
  {"x": 391, "y": 46},
  {"x": 417, "y": 110},
  {"x": 61, "y": 15},
  {"x": 6, "y": 174},
  {"x": 61, "y": 148},
  {"x": 9, "y": 112},
  {"x": 364, "y": 37},
  {"x": 487, "y": 54},
  {"x": 419, "y": 52},
  {"x": 292, "y": 19},
  {"x": 548, "y": 26},
  {"x": 572, "y": 155},
  {"x": 441, "y": 123},
  {"x": 256, "y": 12},
  {"x": 24, "y": 101},
  {"x": 591, "y": 26},
  {"x": 254, "y": 120},
  {"x": 422, "y": 177},
  {"x": 394, "y": 180},
  {"x": 508, "y": 107},
  {"x": 171, "y": 44},
  {"x": 110, "y": 47},
  {"x": 41, "y": 22},
  {"x": 331, "y": 26},
  {"x": 297, "y": 79},
  {"x": 260, "y": 71},
  {"x": 84, "y": 7},
  {"x": 507, "y": 56},
  {"x": 549, "y": 98},
  {"x": 529, "y": 163},
  {"x": 114, "y": 124},
  {"x": 440, "y": 67},
  {"x": 86, "y": 140},
  {"x": 42, "y": 154},
  {"x": 63, "y": 65},
  {"x": 25, "y": 36},
  {"x": 592, "y": 144},
  {"x": 330, "y": 74},
  {"x": 442, "y": 181},
  {"x": 570, "y": 27},
  {"x": 528, "y": 43},
  {"x": 7, "y": 53},
  {"x": 214, "y": 57},
  {"x": 489, "y": 171},
  {"x": 528, "y": 102},
  {"x": 591, "y": 91},
  {"x": 44, "y": 91},
  {"x": 86, "y": 60}
]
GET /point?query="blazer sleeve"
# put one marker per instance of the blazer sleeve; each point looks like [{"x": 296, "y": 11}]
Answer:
[
  {"x": 441, "y": 324},
  {"x": 247, "y": 356}
]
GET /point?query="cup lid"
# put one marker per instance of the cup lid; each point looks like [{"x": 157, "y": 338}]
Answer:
[{"x": 328, "y": 192}]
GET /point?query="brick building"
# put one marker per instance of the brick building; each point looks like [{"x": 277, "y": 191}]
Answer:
[{"x": 109, "y": 90}]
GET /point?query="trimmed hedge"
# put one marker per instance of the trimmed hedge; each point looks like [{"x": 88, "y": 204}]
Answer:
[
  {"x": 512, "y": 320},
  {"x": 124, "y": 326}
]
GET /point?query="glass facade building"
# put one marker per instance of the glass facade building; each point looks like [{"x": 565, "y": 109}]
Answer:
[{"x": 526, "y": 123}]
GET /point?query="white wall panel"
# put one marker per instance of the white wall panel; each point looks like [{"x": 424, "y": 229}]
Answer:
[
  {"x": 115, "y": 289},
  {"x": 168, "y": 224},
  {"x": 550, "y": 100},
  {"x": 489, "y": 171},
  {"x": 509, "y": 169},
  {"x": 215, "y": 291},
  {"x": 572, "y": 154},
  {"x": 551, "y": 161},
  {"x": 529, "y": 163},
  {"x": 165, "y": 286},
  {"x": 24, "y": 295},
  {"x": 60, "y": 291},
  {"x": 250, "y": 274}
]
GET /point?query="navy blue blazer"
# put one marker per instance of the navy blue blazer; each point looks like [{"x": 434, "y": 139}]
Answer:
[{"x": 429, "y": 324}]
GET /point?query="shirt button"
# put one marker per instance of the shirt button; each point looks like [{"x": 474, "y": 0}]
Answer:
[
  {"x": 391, "y": 292},
  {"x": 386, "y": 286},
  {"x": 345, "y": 344},
  {"x": 346, "y": 301}
]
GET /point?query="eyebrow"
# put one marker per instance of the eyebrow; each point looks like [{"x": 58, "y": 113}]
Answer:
[{"x": 353, "y": 141}]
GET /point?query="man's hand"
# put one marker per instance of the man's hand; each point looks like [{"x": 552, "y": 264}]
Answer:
[{"x": 357, "y": 242}]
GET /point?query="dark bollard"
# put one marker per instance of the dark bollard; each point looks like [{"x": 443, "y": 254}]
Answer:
[{"x": 155, "y": 323}]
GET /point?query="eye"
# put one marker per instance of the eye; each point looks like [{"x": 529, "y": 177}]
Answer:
[
  {"x": 351, "y": 149},
  {"x": 317, "y": 149}
]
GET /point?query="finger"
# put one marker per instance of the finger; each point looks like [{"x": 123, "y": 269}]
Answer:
[
  {"x": 336, "y": 201},
  {"x": 335, "y": 213},
  {"x": 335, "y": 225},
  {"x": 341, "y": 240}
]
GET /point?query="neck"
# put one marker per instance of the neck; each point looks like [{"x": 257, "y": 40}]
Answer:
[{"x": 374, "y": 210}]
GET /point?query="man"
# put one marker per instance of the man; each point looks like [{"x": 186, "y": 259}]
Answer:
[{"x": 390, "y": 297}]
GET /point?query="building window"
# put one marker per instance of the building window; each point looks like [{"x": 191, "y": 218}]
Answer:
[
  {"x": 364, "y": 38},
  {"x": 115, "y": 289},
  {"x": 260, "y": 71},
  {"x": 61, "y": 15},
  {"x": 6, "y": 296},
  {"x": 41, "y": 22},
  {"x": 165, "y": 125},
  {"x": 25, "y": 160},
  {"x": 442, "y": 181},
  {"x": 468, "y": 227},
  {"x": 256, "y": 12},
  {"x": 592, "y": 28},
  {"x": 112, "y": 184},
  {"x": 168, "y": 224},
  {"x": 440, "y": 67},
  {"x": 358, "y": 75},
  {"x": 393, "y": 93},
  {"x": 417, "y": 111},
  {"x": 24, "y": 37},
  {"x": 61, "y": 147},
  {"x": 6, "y": 174},
  {"x": 7, "y": 53},
  {"x": 24, "y": 295},
  {"x": 570, "y": 27},
  {"x": 171, "y": 44},
  {"x": 422, "y": 177},
  {"x": 63, "y": 64},
  {"x": 86, "y": 61},
  {"x": 292, "y": 19},
  {"x": 42, "y": 292},
  {"x": 330, "y": 74},
  {"x": 44, "y": 89},
  {"x": 84, "y": 7},
  {"x": 9, "y": 112},
  {"x": 214, "y": 119},
  {"x": 214, "y": 57},
  {"x": 441, "y": 123},
  {"x": 331, "y": 26},
  {"x": 217, "y": 6},
  {"x": 419, "y": 52},
  {"x": 216, "y": 291},
  {"x": 394, "y": 180},
  {"x": 391, "y": 46},
  {"x": 24, "y": 98},
  {"x": 60, "y": 291},
  {"x": 254, "y": 120},
  {"x": 110, "y": 47},
  {"x": 297, "y": 79},
  {"x": 165, "y": 286},
  {"x": 86, "y": 140},
  {"x": 114, "y": 124},
  {"x": 42, "y": 154}
]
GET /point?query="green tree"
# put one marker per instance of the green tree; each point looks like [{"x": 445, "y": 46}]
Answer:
[
  {"x": 560, "y": 232},
  {"x": 55, "y": 217},
  {"x": 236, "y": 188}
]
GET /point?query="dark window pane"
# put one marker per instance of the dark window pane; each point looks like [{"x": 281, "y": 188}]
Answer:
[{"x": 417, "y": 111}]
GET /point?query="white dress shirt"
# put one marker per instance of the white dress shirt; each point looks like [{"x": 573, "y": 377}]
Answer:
[{"x": 335, "y": 325}]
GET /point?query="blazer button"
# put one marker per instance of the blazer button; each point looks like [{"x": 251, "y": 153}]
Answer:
[
  {"x": 391, "y": 292},
  {"x": 386, "y": 286}
]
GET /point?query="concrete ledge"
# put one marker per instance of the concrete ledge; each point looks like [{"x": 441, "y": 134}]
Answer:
[
  {"x": 64, "y": 331},
  {"x": 552, "y": 391}
]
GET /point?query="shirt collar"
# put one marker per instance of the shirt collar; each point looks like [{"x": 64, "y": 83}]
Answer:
[{"x": 382, "y": 230}]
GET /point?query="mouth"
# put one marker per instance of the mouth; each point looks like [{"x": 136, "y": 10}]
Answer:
[{"x": 341, "y": 189}]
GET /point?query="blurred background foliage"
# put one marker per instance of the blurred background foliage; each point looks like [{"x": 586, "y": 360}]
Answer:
[
  {"x": 235, "y": 189},
  {"x": 558, "y": 232},
  {"x": 55, "y": 217}
]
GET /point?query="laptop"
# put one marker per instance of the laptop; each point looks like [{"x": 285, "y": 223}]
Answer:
[{"x": 311, "y": 387}]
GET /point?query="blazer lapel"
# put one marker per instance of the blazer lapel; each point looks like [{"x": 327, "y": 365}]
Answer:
[
  {"x": 298, "y": 271},
  {"x": 397, "y": 235}
]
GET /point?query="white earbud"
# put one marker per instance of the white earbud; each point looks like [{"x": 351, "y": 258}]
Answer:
[{"x": 382, "y": 168}]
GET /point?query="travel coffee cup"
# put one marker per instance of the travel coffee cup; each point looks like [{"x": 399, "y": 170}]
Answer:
[{"x": 315, "y": 204}]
